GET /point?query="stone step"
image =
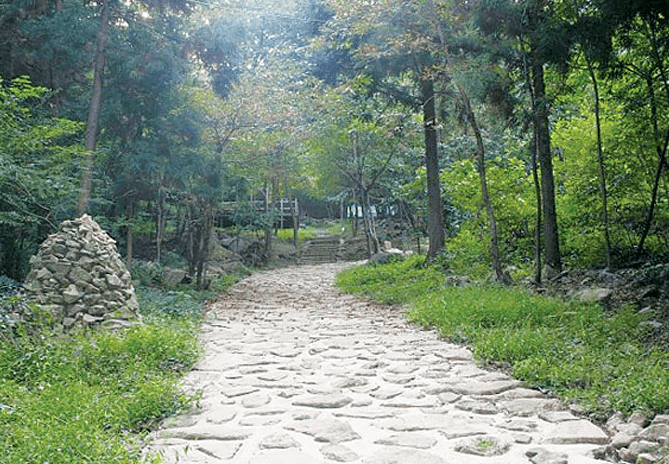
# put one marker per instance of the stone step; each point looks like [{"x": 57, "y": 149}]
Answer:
[{"x": 320, "y": 250}]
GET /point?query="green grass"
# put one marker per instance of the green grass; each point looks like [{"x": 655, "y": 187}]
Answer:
[
  {"x": 310, "y": 232},
  {"x": 88, "y": 396},
  {"x": 572, "y": 350},
  {"x": 398, "y": 283},
  {"x": 287, "y": 234}
]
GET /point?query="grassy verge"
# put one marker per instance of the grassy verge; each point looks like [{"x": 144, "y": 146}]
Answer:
[
  {"x": 287, "y": 234},
  {"x": 88, "y": 396},
  {"x": 572, "y": 350}
]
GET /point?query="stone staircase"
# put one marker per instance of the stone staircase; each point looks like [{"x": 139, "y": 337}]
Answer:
[{"x": 320, "y": 250}]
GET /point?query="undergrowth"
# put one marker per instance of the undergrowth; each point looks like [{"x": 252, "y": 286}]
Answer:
[
  {"x": 286, "y": 235},
  {"x": 572, "y": 350},
  {"x": 90, "y": 395}
]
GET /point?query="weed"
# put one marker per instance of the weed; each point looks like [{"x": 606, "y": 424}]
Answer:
[{"x": 88, "y": 396}]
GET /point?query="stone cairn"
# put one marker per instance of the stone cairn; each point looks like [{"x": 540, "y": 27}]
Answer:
[{"x": 79, "y": 274}]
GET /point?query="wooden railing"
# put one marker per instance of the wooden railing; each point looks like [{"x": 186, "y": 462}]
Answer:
[{"x": 227, "y": 209}]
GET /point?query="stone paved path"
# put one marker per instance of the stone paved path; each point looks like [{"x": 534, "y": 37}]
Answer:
[{"x": 297, "y": 373}]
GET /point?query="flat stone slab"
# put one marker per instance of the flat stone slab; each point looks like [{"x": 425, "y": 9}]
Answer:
[
  {"x": 542, "y": 456},
  {"x": 576, "y": 432},
  {"x": 386, "y": 393},
  {"x": 285, "y": 457},
  {"x": 402, "y": 369},
  {"x": 404, "y": 457},
  {"x": 530, "y": 406},
  {"x": 201, "y": 453},
  {"x": 218, "y": 449},
  {"x": 328, "y": 431},
  {"x": 207, "y": 432},
  {"x": 234, "y": 392},
  {"x": 409, "y": 439},
  {"x": 272, "y": 376},
  {"x": 483, "y": 445},
  {"x": 286, "y": 352},
  {"x": 365, "y": 413},
  {"x": 278, "y": 441},
  {"x": 339, "y": 453},
  {"x": 557, "y": 416},
  {"x": 324, "y": 401},
  {"x": 255, "y": 400},
  {"x": 486, "y": 388}
]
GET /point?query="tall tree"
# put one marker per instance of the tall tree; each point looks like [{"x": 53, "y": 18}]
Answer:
[
  {"x": 532, "y": 24},
  {"x": 96, "y": 92},
  {"x": 387, "y": 39},
  {"x": 480, "y": 166},
  {"x": 435, "y": 221},
  {"x": 94, "y": 109}
]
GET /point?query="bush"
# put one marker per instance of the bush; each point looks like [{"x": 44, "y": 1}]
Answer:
[
  {"x": 158, "y": 304},
  {"x": 147, "y": 274}
]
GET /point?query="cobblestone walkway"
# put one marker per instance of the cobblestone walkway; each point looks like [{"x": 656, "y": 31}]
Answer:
[{"x": 297, "y": 373}]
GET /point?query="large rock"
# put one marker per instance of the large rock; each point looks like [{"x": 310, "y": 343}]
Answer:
[
  {"x": 594, "y": 295},
  {"x": 80, "y": 275}
]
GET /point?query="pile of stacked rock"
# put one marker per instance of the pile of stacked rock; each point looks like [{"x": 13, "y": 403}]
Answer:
[{"x": 79, "y": 274}]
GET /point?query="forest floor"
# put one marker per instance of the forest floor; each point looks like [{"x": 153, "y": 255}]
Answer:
[{"x": 644, "y": 289}]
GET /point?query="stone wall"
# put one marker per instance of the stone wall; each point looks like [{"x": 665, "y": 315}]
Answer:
[{"x": 78, "y": 272}]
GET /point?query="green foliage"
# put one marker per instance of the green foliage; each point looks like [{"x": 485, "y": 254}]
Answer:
[
  {"x": 85, "y": 396},
  {"x": 573, "y": 350},
  {"x": 629, "y": 175},
  {"x": 38, "y": 182},
  {"x": 147, "y": 273},
  {"x": 156, "y": 304},
  {"x": 511, "y": 195}
]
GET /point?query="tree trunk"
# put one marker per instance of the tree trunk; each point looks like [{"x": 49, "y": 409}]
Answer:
[
  {"x": 354, "y": 220},
  {"x": 602, "y": 166},
  {"x": 480, "y": 165},
  {"x": 190, "y": 244},
  {"x": 653, "y": 201},
  {"x": 294, "y": 212},
  {"x": 371, "y": 226},
  {"x": 662, "y": 153},
  {"x": 129, "y": 212},
  {"x": 539, "y": 216},
  {"x": 370, "y": 237},
  {"x": 543, "y": 146},
  {"x": 94, "y": 111},
  {"x": 206, "y": 228},
  {"x": 435, "y": 219},
  {"x": 161, "y": 218}
]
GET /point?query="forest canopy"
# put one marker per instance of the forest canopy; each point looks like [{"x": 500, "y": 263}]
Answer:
[{"x": 529, "y": 133}]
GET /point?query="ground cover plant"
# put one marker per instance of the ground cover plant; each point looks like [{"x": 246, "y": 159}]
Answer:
[
  {"x": 90, "y": 395},
  {"x": 287, "y": 235},
  {"x": 573, "y": 350}
]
